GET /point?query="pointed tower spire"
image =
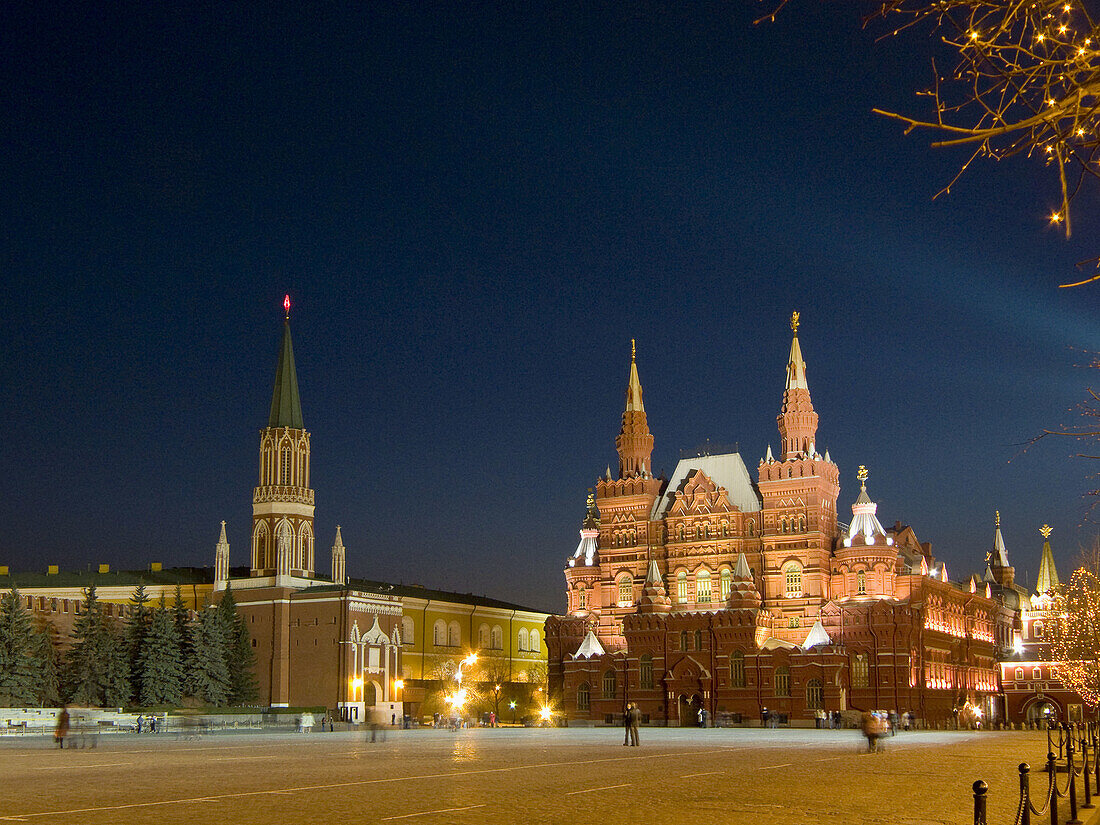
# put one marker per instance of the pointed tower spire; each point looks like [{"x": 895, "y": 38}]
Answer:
[
  {"x": 1048, "y": 574},
  {"x": 654, "y": 596},
  {"x": 634, "y": 443},
  {"x": 1003, "y": 572},
  {"x": 338, "y": 558},
  {"x": 221, "y": 561},
  {"x": 797, "y": 419},
  {"x": 286, "y": 405}
]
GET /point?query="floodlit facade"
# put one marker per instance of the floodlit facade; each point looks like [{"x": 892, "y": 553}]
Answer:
[{"x": 713, "y": 591}]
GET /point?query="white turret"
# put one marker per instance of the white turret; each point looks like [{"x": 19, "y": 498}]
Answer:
[{"x": 221, "y": 561}]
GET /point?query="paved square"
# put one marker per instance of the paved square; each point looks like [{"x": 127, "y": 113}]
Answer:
[{"x": 509, "y": 775}]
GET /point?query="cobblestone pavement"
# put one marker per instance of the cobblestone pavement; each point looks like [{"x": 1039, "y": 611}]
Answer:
[{"x": 518, "y": 775}]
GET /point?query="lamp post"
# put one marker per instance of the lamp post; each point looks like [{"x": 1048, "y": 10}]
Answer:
[
  {"x": 458, "y": 698},
  {"x": 398, "y": 684},
  {"x": 512, "y": 705},
  {"x": 356, "y": 687}
]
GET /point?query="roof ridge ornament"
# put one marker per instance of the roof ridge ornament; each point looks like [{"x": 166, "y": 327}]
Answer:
[
  {"x": 286, "y": 305},
  {"x": 1046, "y": 530},
  {"x": 794, "y": 323},
  {"x": 862, "y": 476}
]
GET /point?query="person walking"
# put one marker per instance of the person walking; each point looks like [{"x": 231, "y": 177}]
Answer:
[
  {"x": 628, "y": 715},
  {"x": 635, "y": 720},
  {"x": 62, "y": 729}
]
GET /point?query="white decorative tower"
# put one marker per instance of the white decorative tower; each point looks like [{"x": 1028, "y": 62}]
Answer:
[
  {"x": 221, "y": 561},
  {"x": 338, "y": 558}
]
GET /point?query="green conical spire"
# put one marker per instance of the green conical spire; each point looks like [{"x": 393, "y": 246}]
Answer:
[{"x": 286, "y": 406}]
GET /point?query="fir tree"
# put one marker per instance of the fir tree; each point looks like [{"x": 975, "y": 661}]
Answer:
[
  {"x": 17, "y": 678},
  {"x": 47, "y": 669},
  {"x": 85, "y": 671},
  {"x": 208, "y": 680},
  {"x": 115, "y": 687},
  {"x": 161, "y": 671},
  {"x": 240, "y": 660},
  {"x": 182, "y": 620},
  {"x": 141, "y": 615}
]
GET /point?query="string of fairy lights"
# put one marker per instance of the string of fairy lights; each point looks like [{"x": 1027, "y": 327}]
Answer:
[{"x": 1075, "y": 643}]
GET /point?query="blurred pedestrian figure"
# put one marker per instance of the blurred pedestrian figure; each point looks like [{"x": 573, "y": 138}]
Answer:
[
  {"x": 764, "y": 716},
  {"x": 873, "y": 729},
  {"x": 627, "y": 720},
  {"x": 152, "y": 724},
  {"x": 140, "y": 719},
  {"x": 906, "y": 719},
  {"x": 635, "y": 720},
  {"x": 62, "y": 729}
]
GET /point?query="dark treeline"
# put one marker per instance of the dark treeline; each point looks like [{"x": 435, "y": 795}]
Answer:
[{"x": 159, "y": 656}]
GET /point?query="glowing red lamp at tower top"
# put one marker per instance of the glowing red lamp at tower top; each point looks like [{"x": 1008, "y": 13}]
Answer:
[{"x": 286, "y": 306}]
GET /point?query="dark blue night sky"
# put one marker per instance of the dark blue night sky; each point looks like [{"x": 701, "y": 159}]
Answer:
[{"x": 474, "y": 209}]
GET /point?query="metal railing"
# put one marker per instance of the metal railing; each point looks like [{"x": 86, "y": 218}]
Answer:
[{"x": 1069, "y": 739}]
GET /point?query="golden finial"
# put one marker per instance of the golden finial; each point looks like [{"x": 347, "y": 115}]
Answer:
[
  {"x": 633, "y": 349},
  {"x": 862, "y": 476},
  {"x": 1046, "y": 530},
  {"x": 591, "y": 499},
  {"x": 794, "y": 322},
  {"x": 997, "y": 519}
]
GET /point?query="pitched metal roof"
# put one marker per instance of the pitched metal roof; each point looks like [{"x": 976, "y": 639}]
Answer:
[{"x": 726, "y": 470}]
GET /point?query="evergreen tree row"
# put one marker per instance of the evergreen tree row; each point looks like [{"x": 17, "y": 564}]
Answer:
[{"x": 160, "y": 656}]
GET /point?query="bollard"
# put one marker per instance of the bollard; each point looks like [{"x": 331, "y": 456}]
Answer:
[
  {"x": 980, "y": 790},
  {"x": 1049, "y": 748},
  {"x": 1073, "y": 820},
  {"x": 1025, "y": 794},
  {"x": 1085, "y": 773},
  {"x": 1052, "y": 769}
]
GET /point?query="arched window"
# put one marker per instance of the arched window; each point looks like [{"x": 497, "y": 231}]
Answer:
[
  {"x": 727, "y": 584},
  {"x": 439, "y": 633},
  {"x": 1036, "y": 673},
  {"x": 645, "y": 672},
  {"x": 626, "y": 591},
  {"x": 737, "y": 669},
  {"x": 860, "y": 671},
  {"x": 582, "y": 599},
  {"x": 454, "y": 635},
  {"x": 681, "y": 532},
  {"x": 782, "y": 681},
  {"x": 698, "y": 639},
  {"x": 408, "y": 634},
  {"x": 725, "y": 529},
  {"x": 702, "y": 587},
  {"x": 496, "y": 638},
  {"x": 1037, "y": 629},
  {"x": 685, "y": 640},
  {"x": 752, "y": 527},
  {"x": 783, "y": 526},
  {"x": 682, "y": 587},
  {"x": 284, "y": 478},
  {"x": 523, "y": 639},
  {"x": 801, "y": 524},
  {"x": 583, "y": 696},
  {"x": 483, "y": 637},
  {"x": 536, "y": 642},
  {"x": 1019, "y": 674},
  {"x": 792, "y": 574},
  {"x": 610, "y": 684},
  {"x": 815, "y": 695},
  {"x": 861, "y": 583}
]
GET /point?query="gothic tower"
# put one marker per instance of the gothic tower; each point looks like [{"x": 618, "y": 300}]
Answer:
[
  {"x": 799, "y": 494},
  {"x": 282, "y": 504}
]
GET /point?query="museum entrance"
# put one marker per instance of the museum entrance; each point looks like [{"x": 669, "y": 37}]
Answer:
[{"x": 689, "y": 708}]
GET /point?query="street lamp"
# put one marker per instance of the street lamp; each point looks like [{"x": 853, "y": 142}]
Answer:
[
  {"x": 356, "y": 686},
  {"x": 512, "y": 705}
]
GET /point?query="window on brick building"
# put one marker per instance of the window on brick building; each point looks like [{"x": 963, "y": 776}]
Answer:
[
  {"x": 860, "y": 671},
  {"x": 685, "y": 640},
  {"x": 737, "y": 669},
  {"x": 523, "y": 639},
  {"x": 536, "y": 642},
  {"x": 583, "y": 696},
  {"x": 698, "y": 639},
  {"x": 861, "y": 583},
  {"x": 483, "y": 637},
  {"x": 582, "y": 599},
  {"x": 1037, "y": 630},
  {"x": 751, "y": 527},
  {"x": 1019, "y": 674},
  {"x": 439, "y": 633},
  {"x": 496, "y": 638},
  {"x": 727, "y": 584},
  {"x": 815, "y": 694},
  {"x": 682, "y": 587},
  {"x": 626, "y": 591},
  {"x": 792, "y": 574},
  {"x": 454, "y": 635},
  {"x": 610, "y": 684},
  {"x": 782, "y": 681},
  {"x": 702, "y": 587},
  {"x": 645, "y": 672}
]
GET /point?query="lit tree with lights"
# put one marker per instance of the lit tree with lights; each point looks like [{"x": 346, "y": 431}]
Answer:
[
  {"x": 1075, "y": 644},
  {"x": 1024, "y": 81}
]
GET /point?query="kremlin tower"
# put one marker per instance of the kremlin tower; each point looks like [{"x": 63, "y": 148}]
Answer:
[{"x": 282, "y": 503}]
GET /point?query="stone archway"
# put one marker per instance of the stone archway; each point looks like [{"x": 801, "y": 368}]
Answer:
[
  {"x": 687, "y": 709},
  {"x": 1042, "y": 710}
]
